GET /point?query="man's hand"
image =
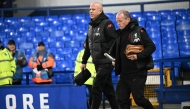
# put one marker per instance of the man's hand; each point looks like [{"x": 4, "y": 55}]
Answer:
[
  {"x": 20, "y": 58},
  {"x": 39, "y": 67},
  {"x": 83, "y": 67},
  {"x": 113, "y": 63},
  {"x": 132, "y": 57}
]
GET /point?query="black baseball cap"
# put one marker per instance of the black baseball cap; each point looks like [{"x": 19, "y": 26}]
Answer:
[
  {"x": 41, "y": 44},
  {"x": 11, "y": 42}
]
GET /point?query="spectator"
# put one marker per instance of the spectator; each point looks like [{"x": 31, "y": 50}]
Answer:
[
  {"x": 20, "y": 62},
  {"x": 42, "y": 63},
  {"x": 91, "y": 68},
  {"x": 7, "y": 66},
  {"x": 100, "y": 37}
]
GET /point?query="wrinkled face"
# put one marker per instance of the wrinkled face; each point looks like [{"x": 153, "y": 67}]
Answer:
[
  {"x": 11, "y": 47},
  {"x": 122, "y": 21},
  {"x": 95, "y": 11},
  {"x": 40, "y": 48}
]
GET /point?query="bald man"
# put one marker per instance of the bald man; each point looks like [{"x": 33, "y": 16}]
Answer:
[
  {"x": 100, "y": 37},
  {"x": 131, "y": 68}
]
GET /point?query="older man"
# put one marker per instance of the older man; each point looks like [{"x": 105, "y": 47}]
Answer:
[
  {"x": 20, "y": 60},
  {"x": 101, "y": 35},
  {"x": 42, "y": 63},
  {"x": 132, "y": 67}
]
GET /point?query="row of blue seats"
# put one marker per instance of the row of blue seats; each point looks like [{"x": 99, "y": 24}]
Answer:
[{"x": 86, "y": 16}]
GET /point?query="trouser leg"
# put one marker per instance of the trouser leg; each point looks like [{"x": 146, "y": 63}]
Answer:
[
  {"x": 123, "y": 94},
  {"x": 90, "y": 94}
]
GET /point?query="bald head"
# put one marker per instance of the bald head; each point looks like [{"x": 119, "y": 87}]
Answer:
[{"x": 95, "y": 10}]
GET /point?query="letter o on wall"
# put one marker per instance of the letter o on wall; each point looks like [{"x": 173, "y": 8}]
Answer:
[{"x": 10, "y": 98}]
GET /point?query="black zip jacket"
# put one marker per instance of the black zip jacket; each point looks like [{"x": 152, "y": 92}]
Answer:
[
  {"x": 100, "y": 37},
  {"x": 123, "y": 65}
]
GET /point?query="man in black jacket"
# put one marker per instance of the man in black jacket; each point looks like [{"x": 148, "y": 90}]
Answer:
[
  {"x": 132, "y": 68},
  {"x": 101, "y": 35}
]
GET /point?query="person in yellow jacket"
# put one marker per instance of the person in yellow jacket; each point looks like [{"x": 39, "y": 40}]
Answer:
[
  {"x": 7, "y": 66},
  {"x": 91, "y": 68}
]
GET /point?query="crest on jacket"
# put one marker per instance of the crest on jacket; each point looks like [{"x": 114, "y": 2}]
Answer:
[{"x": 136, "y": 39}]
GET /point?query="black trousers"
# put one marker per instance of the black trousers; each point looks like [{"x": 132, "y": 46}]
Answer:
[
  {"x": 136, "y": 86},
  {"x": 89, "y": 87},
  {"x": 103, "y": 83}
]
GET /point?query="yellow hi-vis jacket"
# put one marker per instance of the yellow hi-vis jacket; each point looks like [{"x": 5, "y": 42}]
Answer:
[
  {"x": 7, "y": 67},
  {"x": 90, "y": 66}
]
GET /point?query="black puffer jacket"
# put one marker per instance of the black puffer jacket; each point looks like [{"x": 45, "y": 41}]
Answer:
[
  {"x": 100, "y": 37},
  {"x": 124, "y": 65}
]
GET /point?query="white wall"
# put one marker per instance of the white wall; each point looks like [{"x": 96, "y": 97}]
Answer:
[{"x": 113, "y": 9}]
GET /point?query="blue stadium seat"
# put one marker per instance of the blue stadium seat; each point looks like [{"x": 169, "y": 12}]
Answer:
[
  {"x": 110, "y": 15},
  {"x": 154, "y": 17},
  {"x": 82, "y": 32},
  {"x": 28, "y": 34},
  {"x": 38, "y": 18},
  {"x": 87, "y": 17},
  {"x": 183, "y": 16},
  {"x": 83, "y": 21},
  {"x": 50, "y": 28},
  {"x": 79, "y": 38},
  {"x": 57, "y": 34},
  {"x": 141, "y": 18},
  {"x": 49, "y": 39},
  {"x": 19, "y": 40},
  {"x": 57, "y": 44},
  {"x": 67, "y": 50},
  {"x": 152, "y": 28},
  {"x": 76, "y": 50},
  {"x": 1, "y": 19},
  {"x": 153, "y": 23},
  {"x": 178, "y": 11},
  {"x": 10, "y": 19},
  {"x": 167, "y": 25},
  {"x": 168, "y": 28},
  {"x": 69, "y": 22},
  {"x": 64, "y": 64},
  {"x": 64, "y": 38},
  {"x": 42, "y": 34},
  {"x": 59, "y": 56},
  {"x": 28, "y": 24},
  {"x": 169, "y": 17},
  {"x": 183, "y": 33},
  {"x": 64, "y": 27},
  {"x": 42, "y": 23},
  {"x": 15, "y": 24},
  {"x": 13, "y": 34},
  {"x": 188, "y": 11},
  {"x": 3, "y": 24},
  {"x": 169, "y": 37},
  {"x": 25, "y": 45},
  {"x": 65, "y": 17},
  {"x": 2, "y": 35},
  {"x": 78, "y": 16},
  {"x": 149, "y": 13},
  {"x": 36, "y": 29},
  {"x": 157, "y": 54},
  {"x": 34, "y": 39},
  {"x": 56, "y": 23},
  {"x": 182, "y": 25},
  {"x": 51, "y": 18},
  {"x": 171, "y": 53},
  {"x": 135, "y": 14},
  {"x": 71, "y": 33},
  {"x": 71, "y": 57},
  {"x": 22, "y": 29},
  {"x": 78, "y": 27},
  {"x": 72, "y": 44},
  {"x": 52, "y": 50},
  {"x": 10, "y": 29},
  {"x": 141, "y": 23},
  {"x": 164, "y": 12},
  {"x": 24, "y": 19}
]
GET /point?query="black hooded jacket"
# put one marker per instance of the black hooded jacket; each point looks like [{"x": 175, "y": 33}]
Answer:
[
  {"x": 125, "y": 66},
  {"x": 100, "y": 37}
]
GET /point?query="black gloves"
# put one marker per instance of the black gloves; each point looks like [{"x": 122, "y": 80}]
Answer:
[{"x": 39, "y": 67}]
